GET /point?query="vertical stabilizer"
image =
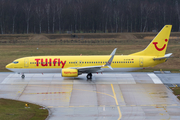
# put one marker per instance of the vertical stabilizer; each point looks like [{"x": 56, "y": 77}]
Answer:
[{"x": 158, "y": 45}]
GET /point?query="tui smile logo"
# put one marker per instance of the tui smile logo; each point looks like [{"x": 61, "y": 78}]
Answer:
[{"x": 159, "y": 49}]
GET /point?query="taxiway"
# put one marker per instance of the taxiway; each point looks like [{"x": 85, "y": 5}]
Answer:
[{"x": 125, "y": 96}]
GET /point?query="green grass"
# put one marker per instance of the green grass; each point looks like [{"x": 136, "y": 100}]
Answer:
[
  {"x": 15, "y": 110},
  {"x": 176, "y": 91}
]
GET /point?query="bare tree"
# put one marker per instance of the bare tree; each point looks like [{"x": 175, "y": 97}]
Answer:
[
  {"x": 75, "y": 18},
  {"x": 40, "y": 13},
  {"x": 130, "y": 11},
  {"x": 14, "y": 14},
  {"x": 164, "y": 13},
  {"x": 105, "y": 11},
  {"x": 116, "y": 14},
  {"x": 141, "y": 22},
  {"x": 27, "y": 7},
  {"x": 178, "y": 13},
  {"x": 80, "y": 12},
  {"x": 47, "y": 7},
  {"x": 146, "y": 8},
  {"x": 2, "y": 15},
  {"x": 87, "y": 15},
  {"x": 59, "y": 12},
  {"x": 54, "y": 11}
]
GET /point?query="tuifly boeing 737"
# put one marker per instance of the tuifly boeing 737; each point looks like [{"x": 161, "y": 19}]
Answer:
[{"x": 72, "y": 66}]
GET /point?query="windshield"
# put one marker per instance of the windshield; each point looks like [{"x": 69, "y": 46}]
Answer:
[{"x": 15, "y": 62}]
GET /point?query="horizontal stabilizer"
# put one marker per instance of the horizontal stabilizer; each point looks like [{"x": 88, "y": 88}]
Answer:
[{"x": 165, "y": 57}]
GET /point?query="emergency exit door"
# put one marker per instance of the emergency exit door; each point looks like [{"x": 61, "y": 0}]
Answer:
[
  {"x": 141, "y": 62},
  {"x": 26, "y": 62}
]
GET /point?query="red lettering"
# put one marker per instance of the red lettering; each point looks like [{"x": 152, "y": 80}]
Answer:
[
  {"x": 37, "y": 62},
  {"x": 43, "y": 63},
  {"x": 54, "y": 61},
  {"x": 63, "y": 63},
  {"x": 70, "y": 72},
  {"x": 49, "y": 62},
  {"x": 58, "y": 62}
]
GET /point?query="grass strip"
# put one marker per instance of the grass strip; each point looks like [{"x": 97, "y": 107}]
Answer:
[
  {"x": 16, "y": 110},
  {"x": 176, "y": 91}
]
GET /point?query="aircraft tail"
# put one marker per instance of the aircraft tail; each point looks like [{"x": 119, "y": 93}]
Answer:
[{"x": 158, "y": 45}]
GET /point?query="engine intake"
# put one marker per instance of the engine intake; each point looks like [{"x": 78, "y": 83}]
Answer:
[{"x": 69, "y": 72}]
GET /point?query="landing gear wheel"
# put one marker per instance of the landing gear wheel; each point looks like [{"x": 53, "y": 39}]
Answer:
[
  {"x": 89, "y": 76},
  {"x": 23, "y": 76}
]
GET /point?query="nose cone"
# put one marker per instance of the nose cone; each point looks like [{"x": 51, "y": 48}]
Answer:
[{"x": 9, "y": 66}]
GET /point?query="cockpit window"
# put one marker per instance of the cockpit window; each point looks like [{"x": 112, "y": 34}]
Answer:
[{"x": 15, "y": 62}]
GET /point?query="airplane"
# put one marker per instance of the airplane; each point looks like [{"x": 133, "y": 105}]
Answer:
[{"x": 73, "y": 66}]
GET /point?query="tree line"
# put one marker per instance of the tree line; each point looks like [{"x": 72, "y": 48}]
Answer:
[{"x": 87, "y": 16}]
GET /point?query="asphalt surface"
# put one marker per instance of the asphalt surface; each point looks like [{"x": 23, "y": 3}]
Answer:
[{"x": 125, "y": 96}]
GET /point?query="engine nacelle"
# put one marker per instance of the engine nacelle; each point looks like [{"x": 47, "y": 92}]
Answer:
[{"x": 69, "y": 72}]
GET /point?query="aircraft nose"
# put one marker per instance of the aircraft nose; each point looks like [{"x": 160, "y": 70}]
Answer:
[{"x": 8, "y": 66}]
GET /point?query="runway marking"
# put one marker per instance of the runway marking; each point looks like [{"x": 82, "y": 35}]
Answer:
[
  {"x": 73, "y": 89},
  {"x": 155, "y": 79},
  {"x": 120, "y": 115},
  {"x": 71, "y": 106},
  {"x": 153, "y": 105},
  {"x": 53, "y": 93},
  {"x": 50, "y": 106},
  {"x": 174, "y": 105},
  {"x": 133, "y": 105}
]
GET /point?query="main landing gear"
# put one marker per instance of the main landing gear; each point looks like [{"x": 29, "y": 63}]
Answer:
[
  {"x": 89, "y": 76},
  {"x": 22, "y": 76}
]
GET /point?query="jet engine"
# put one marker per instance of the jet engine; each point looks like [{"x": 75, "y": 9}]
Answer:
[{"x": 69, "y": 72}]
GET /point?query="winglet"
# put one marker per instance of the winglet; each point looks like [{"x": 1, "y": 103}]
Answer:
[
  {"x": 113, "y": 52},
  {"x": 111, "y": 59}
]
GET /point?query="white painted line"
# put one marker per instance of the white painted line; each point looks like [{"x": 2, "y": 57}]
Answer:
[
  {"x": 6, "y": 79},
  {"x": 155, "y": 79}
]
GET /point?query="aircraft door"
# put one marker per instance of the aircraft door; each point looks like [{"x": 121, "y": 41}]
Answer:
[
  {"x": 80, "y": 63},
  {"x": 76, "y": 63},
  {"x": 141, "y": 62},
  {"x": 26, "y": 62}
]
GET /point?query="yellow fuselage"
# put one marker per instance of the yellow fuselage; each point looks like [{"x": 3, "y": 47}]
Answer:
[{"x": 44, "y": 64}]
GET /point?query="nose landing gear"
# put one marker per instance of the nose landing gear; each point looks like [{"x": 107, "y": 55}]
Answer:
[{"x": 22, "y": 76}]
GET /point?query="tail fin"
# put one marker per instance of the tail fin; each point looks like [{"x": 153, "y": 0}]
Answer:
[{"x": 158, "y": 45}]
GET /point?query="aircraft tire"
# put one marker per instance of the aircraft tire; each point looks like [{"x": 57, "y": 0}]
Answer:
[
  {"x": 89, "y": 76},
  {"x": 23, "y": 76}
]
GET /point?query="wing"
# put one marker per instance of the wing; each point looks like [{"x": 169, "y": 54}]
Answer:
[
  {"x": 165, "y": 57},
  {"x": 93, "y": 69},
  {"x": 90, "y": 69}
]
